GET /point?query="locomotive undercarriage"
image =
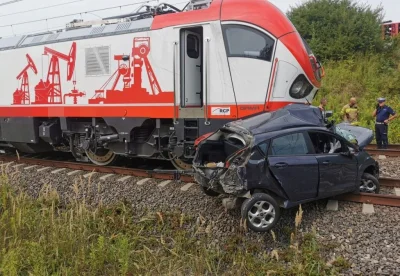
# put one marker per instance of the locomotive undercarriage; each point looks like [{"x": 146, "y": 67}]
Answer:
[{"x": 102, "y": 140}]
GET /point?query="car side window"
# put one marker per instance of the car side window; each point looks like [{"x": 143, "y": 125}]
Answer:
[
  {"x": 291, "y": 144},
  {"x": 325, "y": 143},
  {"x": 263, "y": 147}
]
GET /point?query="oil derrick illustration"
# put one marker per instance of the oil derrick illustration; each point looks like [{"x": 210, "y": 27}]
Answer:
[
  {"x": 21, "y": 94},
  {"x": 128, "y": 71},
  {"x": 50, "y": 91}
]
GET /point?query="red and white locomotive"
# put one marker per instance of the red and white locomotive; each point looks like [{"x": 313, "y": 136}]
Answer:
[{"x": 148, "y": 84}]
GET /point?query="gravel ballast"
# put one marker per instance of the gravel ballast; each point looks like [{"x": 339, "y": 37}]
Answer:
[
  {"x": 389, "y": 167},
  {"x": 371, "y": 243}
]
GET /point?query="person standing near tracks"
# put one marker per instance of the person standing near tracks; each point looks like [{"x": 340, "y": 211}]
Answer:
[
  {"x": 384, "y": 114},
  {"x": 322, "y": 106},
  {"x": 350, "y": 112}
]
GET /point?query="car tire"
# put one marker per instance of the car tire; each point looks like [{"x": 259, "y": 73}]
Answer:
[
  {"x": 210, "y": 192},
  {"x": 369, "y": 184},
  {"x": 270, "y": 212}
]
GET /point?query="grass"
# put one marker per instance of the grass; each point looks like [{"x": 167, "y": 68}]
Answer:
[
  {"x": 42, "y": 236},
  {"x": 366, "y": 77}
]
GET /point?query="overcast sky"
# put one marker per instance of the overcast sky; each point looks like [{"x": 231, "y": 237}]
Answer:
[{"x": 13, "y": 12}]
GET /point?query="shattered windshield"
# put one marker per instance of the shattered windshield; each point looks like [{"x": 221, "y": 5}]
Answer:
[{"x": 346, "y": 135}]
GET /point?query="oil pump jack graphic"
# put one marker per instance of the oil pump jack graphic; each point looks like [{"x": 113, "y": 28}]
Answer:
[
  {"x": 133, "y": 92},
  {"x": 21, "y": 95},
  {"x": 50, "y": 91}
]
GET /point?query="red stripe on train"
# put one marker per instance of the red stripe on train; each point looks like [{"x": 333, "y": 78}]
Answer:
[{"x": 235, "y": 111}]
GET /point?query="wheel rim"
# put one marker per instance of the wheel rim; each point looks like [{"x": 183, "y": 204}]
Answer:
[
  {"x": 180, "y": 164},
  {"x": 102, "y": 157},
  {"x": 367, "y": 186},
  {"x": 261, "y": 214}
]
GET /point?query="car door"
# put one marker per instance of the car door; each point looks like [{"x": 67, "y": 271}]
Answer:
[
  {"x": 337, "y": 172},
  {"x": 293, "y": 167}
]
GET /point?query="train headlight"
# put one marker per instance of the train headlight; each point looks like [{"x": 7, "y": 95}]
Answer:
[{"x": 300, "y": 88}]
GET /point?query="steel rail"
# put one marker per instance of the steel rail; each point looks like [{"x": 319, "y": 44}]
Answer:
[
  {"x": 376, "y": 199},
  {"x": 167, "y": 175},
  {"x": 387, "y": 152},
  {"x": 389, "y": 182},
  {"x": 390, "y": 147}
]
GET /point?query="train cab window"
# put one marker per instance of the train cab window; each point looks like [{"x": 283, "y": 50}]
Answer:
[
  {"x": 193, "y": 46},
  {"x": 243, "y": 41}
]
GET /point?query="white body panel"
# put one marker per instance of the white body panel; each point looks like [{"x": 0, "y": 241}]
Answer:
[
  {"x": 250, "y": 78},
  {"x": 160, "y": 57},
  {"x": 285, "y": 75},
  {"x": 232, "y": 82},
  {"x": 287, "y": 70},
  {"x": 220, "y": 83}
]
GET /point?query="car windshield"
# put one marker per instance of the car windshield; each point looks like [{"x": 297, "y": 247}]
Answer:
[{"x": 346, "y": 135}]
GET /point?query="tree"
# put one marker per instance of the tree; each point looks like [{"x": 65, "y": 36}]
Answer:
[{"x": 337, "y": 29}]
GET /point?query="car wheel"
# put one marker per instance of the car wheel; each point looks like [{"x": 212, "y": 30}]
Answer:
[
  {"x": 261, "y": 212},
  {"x": 369, "y": 184},
  {"x": 210, "y": 192}
]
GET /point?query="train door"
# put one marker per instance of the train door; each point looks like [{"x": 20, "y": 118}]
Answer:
[{"x": 191, "y": 56}]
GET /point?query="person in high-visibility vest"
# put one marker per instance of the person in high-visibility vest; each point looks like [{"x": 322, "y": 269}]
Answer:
[{"x": 350, "y": 112}]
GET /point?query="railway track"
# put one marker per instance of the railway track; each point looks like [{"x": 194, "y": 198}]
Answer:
[
  {"x": 184, "y": 176},
  {"x": 391, "y": 151},
  {"x": 390, "y": 147},
  {"x": 156, "y": 172},
  {"x": 376, "y": 199}
]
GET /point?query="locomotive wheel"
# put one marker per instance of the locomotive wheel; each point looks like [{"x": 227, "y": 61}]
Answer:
[
  {"x": 102, "y": 157},
  {"x": 182, "y": 164}
]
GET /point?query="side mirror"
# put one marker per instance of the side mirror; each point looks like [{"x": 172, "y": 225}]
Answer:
[
  {"x": 328, "y": 114},
  {"x": 349, "y": 153}
]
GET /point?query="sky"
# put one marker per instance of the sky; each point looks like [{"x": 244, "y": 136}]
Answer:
[{"x": 15, "y": 12}]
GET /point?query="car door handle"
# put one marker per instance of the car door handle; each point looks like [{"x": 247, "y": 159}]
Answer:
[
  {"x": 280, "y": 165},
  {"x": 326, "y": 163}
]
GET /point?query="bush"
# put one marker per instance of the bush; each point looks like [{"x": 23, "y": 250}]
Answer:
[
  {"x": 366, "y": 77},
  {"x": 338, "y": 29}
]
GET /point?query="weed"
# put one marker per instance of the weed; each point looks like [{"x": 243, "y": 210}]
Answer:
[
  {"x": 342, "y": 263},
  {"x": 366, "y": 77},
  {"x": 45, "y": 235}
]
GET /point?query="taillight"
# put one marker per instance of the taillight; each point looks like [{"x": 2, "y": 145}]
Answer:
[{"x": 235, "y": 156}]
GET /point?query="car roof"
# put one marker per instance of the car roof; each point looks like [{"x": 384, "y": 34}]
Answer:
[
  {"x": 268, "y": 135},
  {"x": 289, "y": 117}
]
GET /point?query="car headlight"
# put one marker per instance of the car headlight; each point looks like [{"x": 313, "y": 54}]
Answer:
[{"x": 300, "y": 88}]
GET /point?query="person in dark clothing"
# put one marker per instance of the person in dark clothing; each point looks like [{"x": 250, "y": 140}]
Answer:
[
  {"x": 384, "y": 114},
  {"x": 322, "y": 106}
]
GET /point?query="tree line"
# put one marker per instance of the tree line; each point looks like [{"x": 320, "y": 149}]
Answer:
[{"x": 339, "y": 29}]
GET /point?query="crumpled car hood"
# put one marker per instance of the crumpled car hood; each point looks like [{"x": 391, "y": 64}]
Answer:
[{"x": 363, "y": 135}]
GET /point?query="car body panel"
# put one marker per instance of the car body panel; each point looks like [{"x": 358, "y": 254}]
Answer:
[
  {"x": 363, "y": 135},
  {"x": 337, "y": 174},
  {"x": 297, "y": 175}
]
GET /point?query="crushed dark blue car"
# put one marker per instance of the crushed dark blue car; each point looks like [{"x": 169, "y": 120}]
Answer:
[{"x": 282, "y": 159}]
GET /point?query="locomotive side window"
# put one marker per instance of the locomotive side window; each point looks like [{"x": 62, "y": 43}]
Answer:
[
  {"x": 193, "y": 46},
  {"x": 243, "y": 41}
]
